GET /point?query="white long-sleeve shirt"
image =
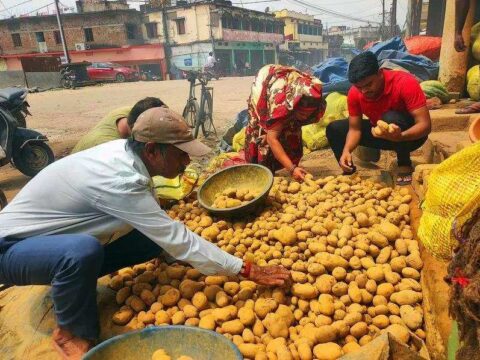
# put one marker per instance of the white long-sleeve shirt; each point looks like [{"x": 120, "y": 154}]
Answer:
[{"x": 105, "y": 192}]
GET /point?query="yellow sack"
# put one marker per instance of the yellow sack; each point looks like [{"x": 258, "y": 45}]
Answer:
[
  {"x": 238, "y": 141},
  {"x": 177, "y": 188},
  {"x": 314, "y": 136},
  {"x": 473, "y": 82},
  {"x": 452, "y": 197}
]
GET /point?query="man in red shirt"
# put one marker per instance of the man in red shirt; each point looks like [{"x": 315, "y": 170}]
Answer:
[{"x": 392, "y": 96}]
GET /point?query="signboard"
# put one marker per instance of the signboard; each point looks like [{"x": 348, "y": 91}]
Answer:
[{"x": 187, "y": 62}]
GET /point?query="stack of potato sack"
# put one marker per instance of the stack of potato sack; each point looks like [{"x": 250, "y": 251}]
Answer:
[{"x": 355, "y": 273}]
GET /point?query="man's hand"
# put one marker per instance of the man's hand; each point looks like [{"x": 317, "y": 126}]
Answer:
[
  {"x": 459, "y": 43},
  {"x": 299, "y": 174},
  {"x": 395, "y": 135},
  {"x": 346, "y": 162},
  {"x": 269, "y": 275}
]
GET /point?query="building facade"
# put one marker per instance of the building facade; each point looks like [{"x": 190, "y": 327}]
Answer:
[
  {"x": 356, "y": 37},
  {"x": 99, "y": 31},
  {"x": 243, "y": 40},
  {"x": 304, "y": 38}
]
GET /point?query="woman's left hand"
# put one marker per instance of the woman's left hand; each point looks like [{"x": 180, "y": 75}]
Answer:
[{"x": 299, "y": 173}]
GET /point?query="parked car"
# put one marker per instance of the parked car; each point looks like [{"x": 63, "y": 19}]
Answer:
[{"x": 102, "y": 71}]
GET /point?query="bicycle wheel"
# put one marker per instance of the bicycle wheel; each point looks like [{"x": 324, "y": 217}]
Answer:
[
  {"x": 208, "y": 128},
  {"x": 190, "y": 112}
]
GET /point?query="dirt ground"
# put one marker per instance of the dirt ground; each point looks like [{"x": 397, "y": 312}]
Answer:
[{"x": 65, "y": 115}]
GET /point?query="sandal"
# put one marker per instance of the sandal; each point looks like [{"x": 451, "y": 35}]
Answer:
[
  {"x": 470, "y": 109},
  {"x": 404, "y": 179}
]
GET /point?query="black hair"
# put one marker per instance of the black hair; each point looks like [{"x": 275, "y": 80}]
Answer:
[
  {"x": 210, "y": 53},
  {"x": 137, "y": 146},
  {"x": 141, "y": 106},
  {"x": 362, "y": 66}
]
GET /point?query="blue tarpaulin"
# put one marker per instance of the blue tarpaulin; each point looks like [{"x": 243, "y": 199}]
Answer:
[{"x": 391, "y": 53}]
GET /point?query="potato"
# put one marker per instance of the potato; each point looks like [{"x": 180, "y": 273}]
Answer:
[
  {"x": 381, "y": 321},
  {"x": 136, "y": 303},
  {"x": 378, "y": 239},
  {"x": 406, "y": 297},
  {"x": 350, "y": 347},
  {"x": 234, "y": 327},
  {"x": 123, "y": 316},
  {"x": 400, "y": 332},
  {"x": 175, "y": 271},
  {"x": 376, "y": 273},
  {"x": 385, "y": 289},
  {"x": 216, "y": 280},
  {"x": 122, "y": 295},
  {"x": 250, "y": 350},
  {"x": 398, "y": 264},
  {"x": 331, "y": 261},
  {"x": 359, "y": 329},
  {"x": 189, "y": 287},
  {"x": 178, "y": 318},
  {"x": 200, "y": 301},
  {"x": 116, "y": 282},
  {"x": 327, "y": 351},
  {"x": 389, "y": 230},
  {"x": 276, "y": 326},
  {"x": 246, "y": 316},
  {"x": 170, "y": 298},
  {"x": 146, "y": 317},
  {"x": 207, "y": 322},
  {"x": 304, "y": 291},
  {"x": 411, "y": 317},
  {"x": 286, "y": 235},
  {"x": 162, "y": 317},
  {"x": 190, "y": 311},
  {"x": 147, "y": 297},
  {"x": 160, "y": 354}
]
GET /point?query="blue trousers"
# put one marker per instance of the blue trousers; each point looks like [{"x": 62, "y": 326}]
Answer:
[{"x": 71, "y": 264}]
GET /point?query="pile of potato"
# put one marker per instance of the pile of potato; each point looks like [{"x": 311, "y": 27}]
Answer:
[
  {"x": 161, "y": 354},
  {"x": 232, "y": 197},
  {"x": 355, "y": 273}
]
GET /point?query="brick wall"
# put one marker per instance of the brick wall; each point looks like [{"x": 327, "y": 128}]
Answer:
[{"x": 109, "y": 29}]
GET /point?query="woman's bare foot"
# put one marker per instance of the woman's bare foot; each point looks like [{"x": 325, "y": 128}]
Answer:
[{"x": 68, "y": 345}]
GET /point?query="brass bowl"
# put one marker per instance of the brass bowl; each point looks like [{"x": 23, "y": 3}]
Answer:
[{"x": 248, "y": 176}]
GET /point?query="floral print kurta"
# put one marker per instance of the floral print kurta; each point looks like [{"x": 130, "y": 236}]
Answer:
[{"x": 274, "y": 97}]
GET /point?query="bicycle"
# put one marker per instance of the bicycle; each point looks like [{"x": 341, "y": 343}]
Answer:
[{"x": 199, "y": 116}]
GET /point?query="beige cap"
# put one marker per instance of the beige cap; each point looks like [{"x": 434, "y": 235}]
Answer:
[{"x": 164, "y": 126}]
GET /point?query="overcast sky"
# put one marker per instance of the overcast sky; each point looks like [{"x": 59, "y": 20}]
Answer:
[{"x": 365, "y": 9}]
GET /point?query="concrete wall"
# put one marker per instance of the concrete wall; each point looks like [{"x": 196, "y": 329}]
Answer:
[
  {"x": 11, "y": 78},
  {"x": 43, "y": 80},
  {"x": 191, "y": 56}
]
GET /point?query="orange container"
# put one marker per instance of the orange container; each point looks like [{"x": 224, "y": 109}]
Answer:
[{"x": 474, "y": 130}]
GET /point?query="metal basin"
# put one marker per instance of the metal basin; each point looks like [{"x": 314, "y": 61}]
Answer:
[
  {"x": 199, "y": 344},
  {"x": 247, "y": 176}
]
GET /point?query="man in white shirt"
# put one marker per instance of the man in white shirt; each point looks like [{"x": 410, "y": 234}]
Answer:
[
  {"x": 210, "y": 61},
  {"x": 53, "y": 230}
]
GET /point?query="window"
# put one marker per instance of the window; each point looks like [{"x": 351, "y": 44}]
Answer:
[
  {"x": 88, "y": 32},
  {"x": 17, "y": 41},
  {"x": 236, "y": 23},
  {"x": 40, "y": 36},
  {"x": 58, "y": 38},
  {"x": 131, "y": 31},
  {"x": 151, "y": 30},
  {"x": 180, "y": 26}
]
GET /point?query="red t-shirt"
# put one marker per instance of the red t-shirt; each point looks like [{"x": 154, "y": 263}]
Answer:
[{"x": 402, "y": 92}]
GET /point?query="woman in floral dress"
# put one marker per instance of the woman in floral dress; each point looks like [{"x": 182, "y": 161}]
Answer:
[{"x": 282, "y": 100}]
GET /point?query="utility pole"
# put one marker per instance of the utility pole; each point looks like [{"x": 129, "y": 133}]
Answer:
[
  {"x": 393, "y": 19},
  {"x": 62, "y": 34},
  {"x": 382, "y": 30},
  {"x": 166, "y": 46}
]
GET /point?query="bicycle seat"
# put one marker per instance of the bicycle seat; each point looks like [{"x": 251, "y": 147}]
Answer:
[{"x": 10, "y": 94}]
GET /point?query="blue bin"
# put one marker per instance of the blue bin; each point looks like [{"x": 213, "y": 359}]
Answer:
[{"x": 200, "y": 344}]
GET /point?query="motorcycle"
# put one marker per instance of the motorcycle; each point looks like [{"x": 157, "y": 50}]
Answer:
[
  {"x": 68, "y": 78},
  {"x": 149, "y": 76},
  {"x": 13, "y": 99},
  {"x": 212, "y": 72},
  {"x": 26, "y": 149}
]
